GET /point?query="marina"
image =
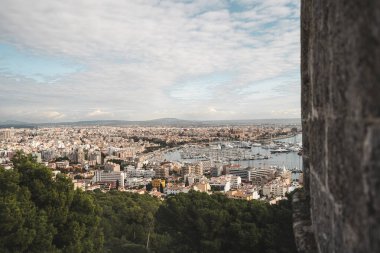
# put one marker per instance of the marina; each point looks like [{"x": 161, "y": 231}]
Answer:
[{"x": 283, "y": 152}]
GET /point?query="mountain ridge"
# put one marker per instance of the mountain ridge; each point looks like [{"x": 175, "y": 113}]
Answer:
[{"x": 153, "y": 122}]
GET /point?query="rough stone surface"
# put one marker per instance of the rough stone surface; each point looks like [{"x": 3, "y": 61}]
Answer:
[
  {"x": 303, "y": 231},
  {"x": 340, "y": 68}
]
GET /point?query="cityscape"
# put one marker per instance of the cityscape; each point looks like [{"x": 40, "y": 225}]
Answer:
[
  {"x": 189, "y": 126},
  {"x": 151, "y": 126},
  {"x": 243, "y": 162}
]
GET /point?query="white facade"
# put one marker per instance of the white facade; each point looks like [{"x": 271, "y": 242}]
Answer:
[
  {"x": 132, "y": 172},
  {"x": 255, "y": 195},
  {"x": 62, "y": 165},
  {"x": 136, "y": 181},
  {"x": 221, "y": 186},
  {"x": 276, "y": 189},
  {"x": 192, "y": 178},
  {"x": 109, "y": 176},
  {"x": 176, "y": 189},
  {"x": 242, "y": 173},
  {"x": 260, "y": 176},
  {"x": 235, "y": 182}
]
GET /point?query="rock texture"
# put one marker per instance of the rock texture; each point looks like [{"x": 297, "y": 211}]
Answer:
[
  {"x": 302, "y": 227},
  {"x": 340, "y": 65}
]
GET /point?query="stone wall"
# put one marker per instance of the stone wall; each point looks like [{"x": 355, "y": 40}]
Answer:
[{"x": 340, "y": 65}]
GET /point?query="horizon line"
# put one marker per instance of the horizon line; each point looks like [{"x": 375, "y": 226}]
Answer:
[{"x": 5, "y": 122}]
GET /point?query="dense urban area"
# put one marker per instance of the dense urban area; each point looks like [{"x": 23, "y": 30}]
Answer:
[
  {"x": 135, "y": 158},
  {"x": 147, "y": 189}
]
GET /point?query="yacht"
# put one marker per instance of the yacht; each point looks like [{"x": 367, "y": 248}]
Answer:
[{"x": 279, "y": 150}]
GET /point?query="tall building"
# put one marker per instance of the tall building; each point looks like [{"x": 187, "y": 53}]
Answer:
[
  {"x": 244, "y": 174},
  {"x": 162, "y": 172},
  {"x": 95, "y": 158},
  {"x": 235, "y": 182},
  {"x": 80, "y": 156},
  {"x": 198, "y": 169},
  {"x": 110, "y": 166},
  {"x": 5, "y": 134},
  {"x": 109, "y": 176},
  {"x": 260, "y": 176},
  {"x": 275, "y": 189},
  {"x": 187, "y": 169}
]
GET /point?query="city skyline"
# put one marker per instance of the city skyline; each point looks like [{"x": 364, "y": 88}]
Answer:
[{"x": 142, "y": 60}]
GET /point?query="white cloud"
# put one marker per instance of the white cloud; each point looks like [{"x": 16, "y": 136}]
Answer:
[
  {"x": 52, "y": 115},
  {"x": 288, "y": 112},
  {"x": 99, "y": 113},
  {"x": 137, "y": 54},
  {"x": 212, "y": 109}
]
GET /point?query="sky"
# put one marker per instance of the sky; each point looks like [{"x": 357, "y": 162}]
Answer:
[{"x": 78, "y": 60}]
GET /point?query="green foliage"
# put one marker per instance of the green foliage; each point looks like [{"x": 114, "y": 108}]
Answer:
[
  {"x": 198, "y": 222},
  {"x": 127, "y": 220},
  {"x": 60, "y": 159},
  {"x": 42, "y": 214}
]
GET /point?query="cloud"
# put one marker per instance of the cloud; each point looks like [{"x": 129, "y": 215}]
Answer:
[
  {"x": 212, "y": 109},
  {"x": 150, "y": 59},
  {"x": 52, "y": 115},
  {"x": 295, "y": 112},
  {"x": 99, "y": 113}
]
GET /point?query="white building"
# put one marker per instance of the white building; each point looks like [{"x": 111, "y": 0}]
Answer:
[
  {"x": 275, "y": 188},
  {"x": 244, "y": 174},
  {"x": 175, "y": 189},
  {"x": 222, "y": 183},
  {"x": 224, "y": 186},
  {"x": 135, "y": 172},
  {"x": 136, "y": 181},
  {"x": 235, "y": 182},
  {"x": 255, "y": 194},
  {"x": 192, "y": 178},
  {"x": 62, "y": 164},
  {"x": 109, "y": 176},
  {"x": 260, "y": 176}
]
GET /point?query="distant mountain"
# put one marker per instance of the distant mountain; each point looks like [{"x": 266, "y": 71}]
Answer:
[
  {"x": 16, "y": 124},
  {"x": 173, "y": 122},
  {"x": 167, "y": 120},
  {"x": 170, "y": 122},
  {"x": 290, "y": 121},
  {"x": 13, "y": 122}
]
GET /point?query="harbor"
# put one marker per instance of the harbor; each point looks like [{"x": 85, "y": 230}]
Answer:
[{"x": 281, "y": 152}]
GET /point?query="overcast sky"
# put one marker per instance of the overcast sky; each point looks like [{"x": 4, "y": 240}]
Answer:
[{"x": 145, "y": 59}]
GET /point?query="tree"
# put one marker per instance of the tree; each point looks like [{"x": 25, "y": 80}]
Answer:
[
  {"x": 39, "y": 214},
  {"x": 78, "y": 177},
  {"x": 149, "y": 187},
  {"x": 126, "y": 220},
  {"x": 42, "y": 214},
  {"x": 198, "y": 222}
]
